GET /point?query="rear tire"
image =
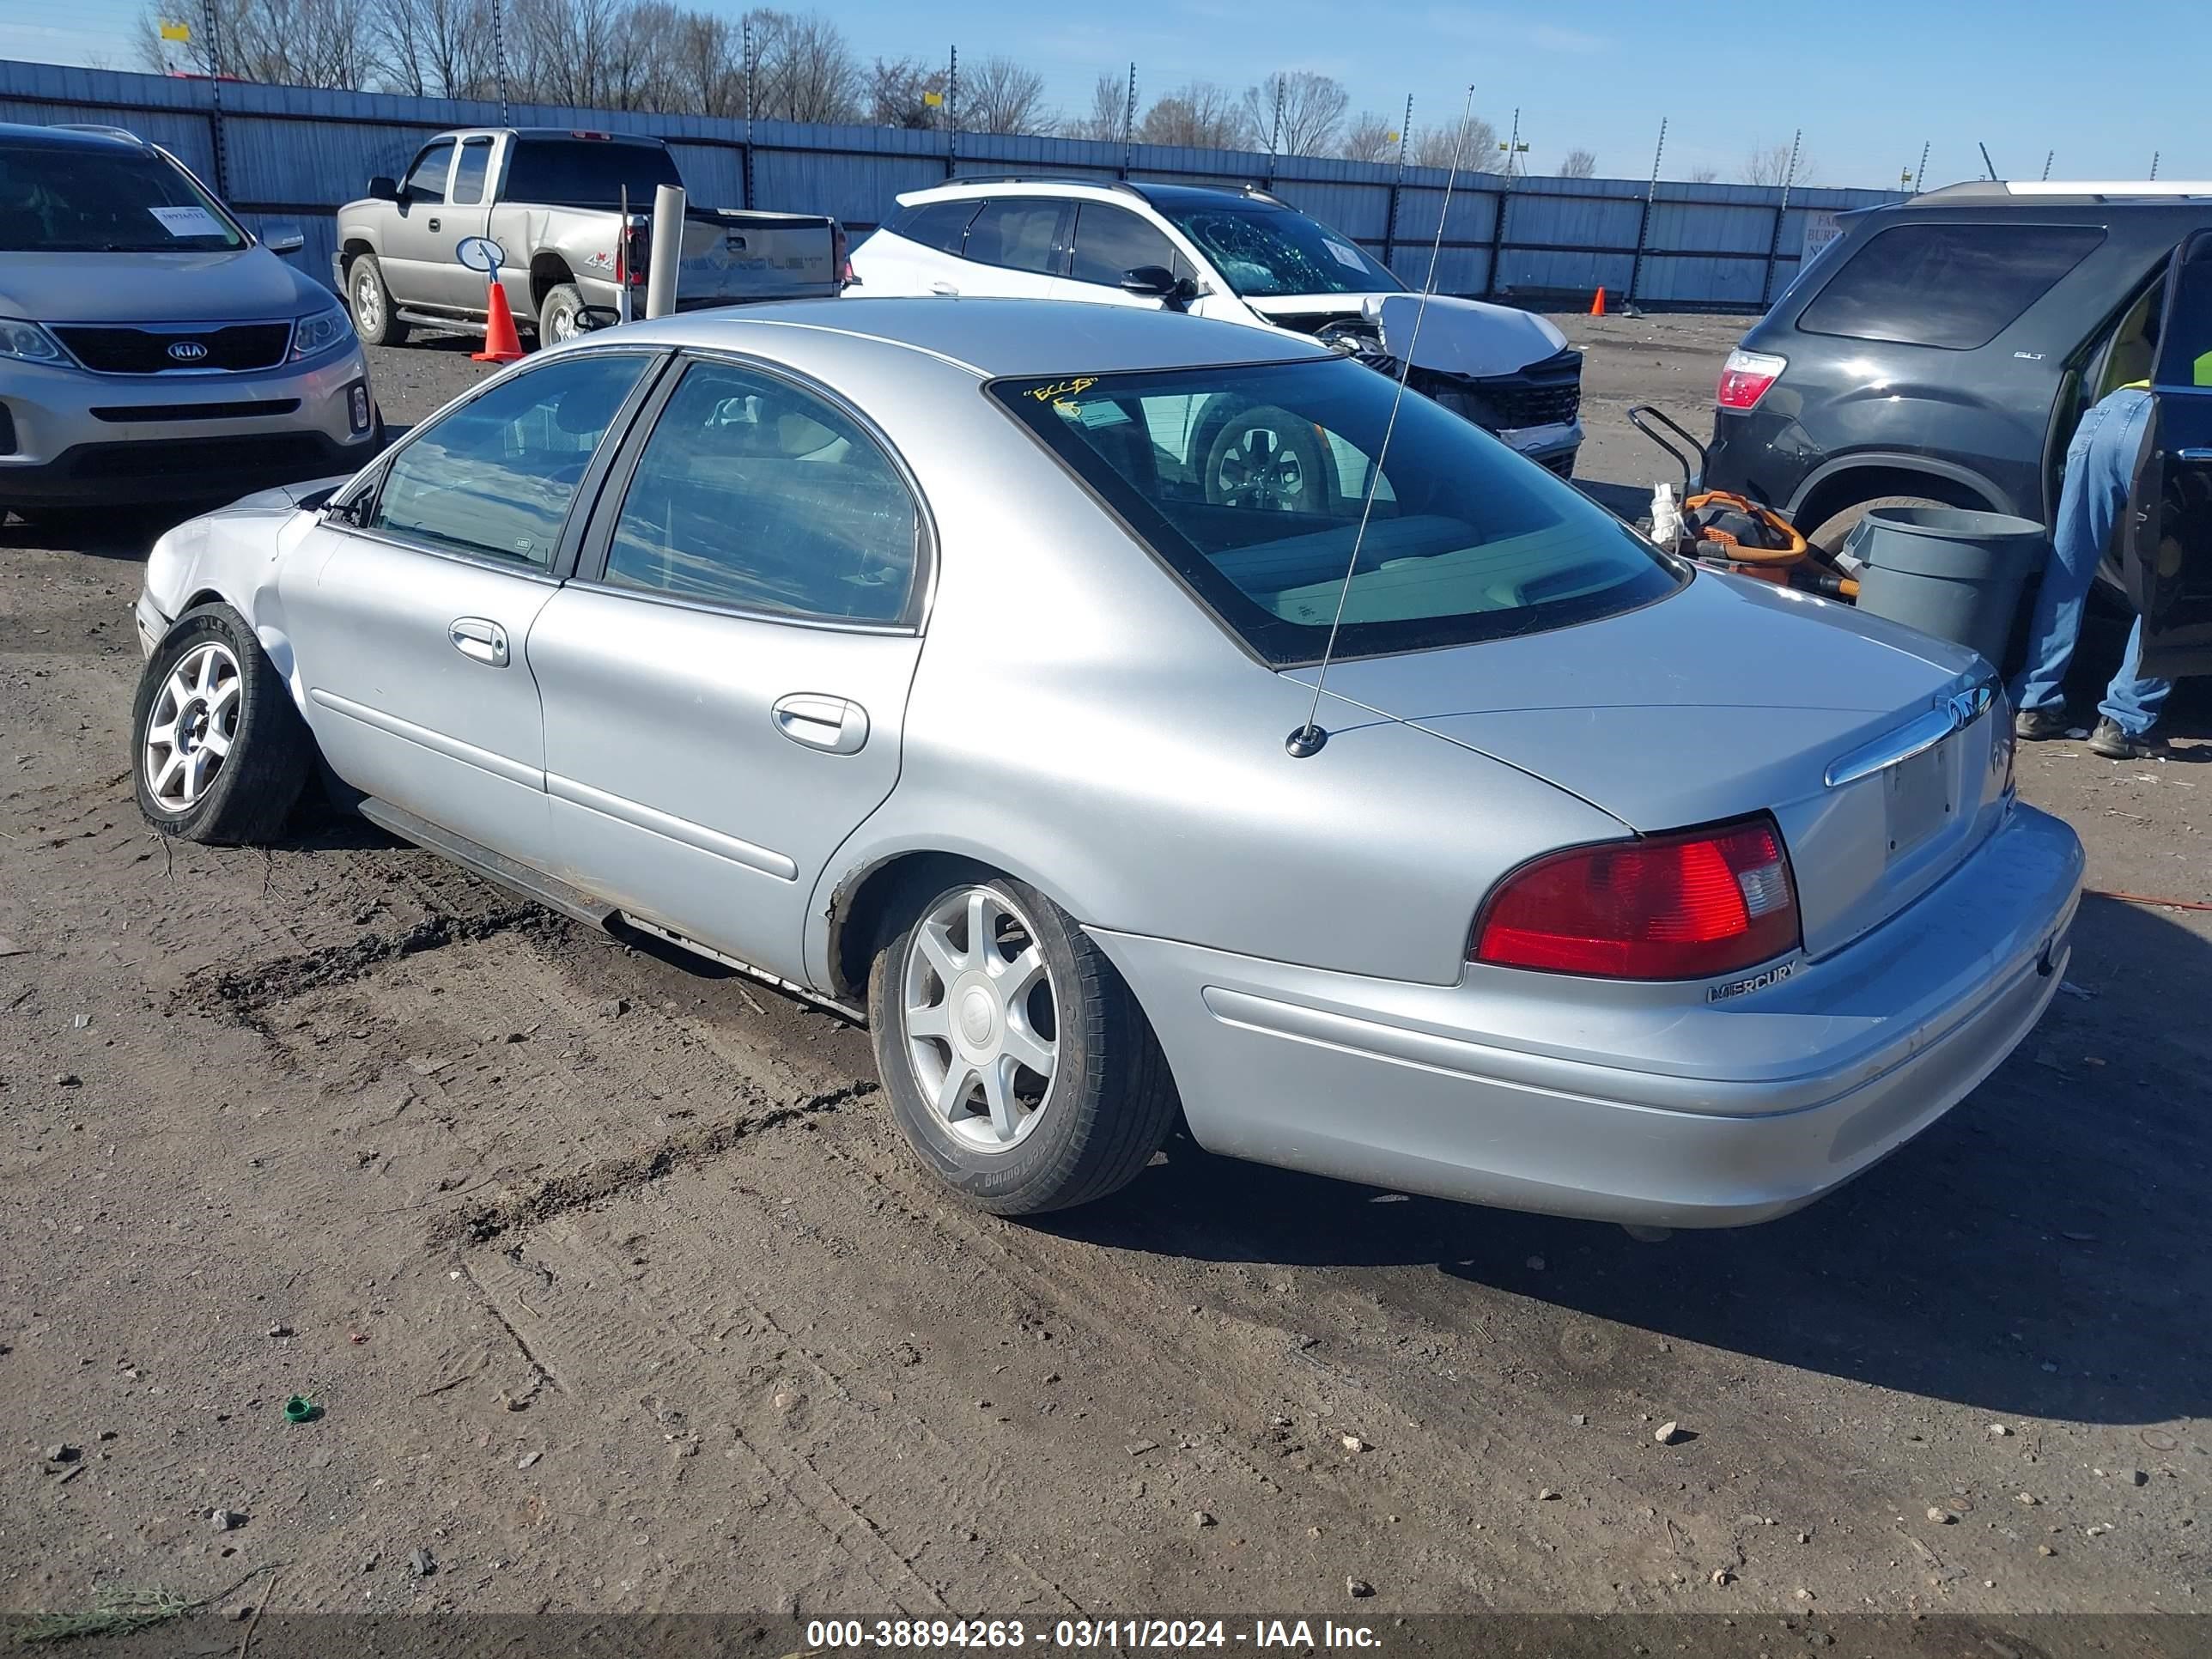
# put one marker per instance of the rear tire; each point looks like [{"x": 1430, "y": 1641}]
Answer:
[
  {"x": 219, "y": 752},
  {"x": 1085, "y": 1097},
  {"x": 561, "y": 318},
  {"x": 370, "y": 301},
  {"x": 1836, "y": 530}
]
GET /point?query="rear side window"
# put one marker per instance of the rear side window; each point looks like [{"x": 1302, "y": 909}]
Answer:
[
  {"x": 1110, "y": 242},
  {"x": 939, "y": 225},
  {"x": 469, "y": 177},
  {"x": 1953, "y": 286},
  {"x": 588, "y": 172},
  {"x": 753, "y": 493},
  {"x": 1020, "y": 234}
]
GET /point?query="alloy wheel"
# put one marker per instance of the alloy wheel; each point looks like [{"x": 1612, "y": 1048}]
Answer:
[
  {"x": 192, "y": 726},
  {"x": 981, "y": 1018},
  {"x": 1259, "y": 470},
  {"x": 368, "y": 304}
]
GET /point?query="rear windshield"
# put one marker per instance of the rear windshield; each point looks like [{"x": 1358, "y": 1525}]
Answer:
[
  {"x": 587, "y": 172},
  {"x": 1261, "y": 250},
  {"x": 63, "y": 199},
  {"x": 1248, "y": 481},
  {"x": 1953, "y": 285}
]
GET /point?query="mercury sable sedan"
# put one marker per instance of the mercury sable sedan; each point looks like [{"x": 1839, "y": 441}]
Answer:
[{"x": 949, "y": 663}]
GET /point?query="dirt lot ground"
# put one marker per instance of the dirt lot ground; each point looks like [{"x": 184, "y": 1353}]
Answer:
[{"x": 617, "y": 1291}]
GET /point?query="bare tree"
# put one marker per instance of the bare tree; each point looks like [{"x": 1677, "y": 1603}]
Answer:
[
  {"x": 301, "y": 43},
  {"x": 710, "y": 65},
  {"x": 1371, "y": 138},
  {"x": 1312, "y": 112},
  {"x": 1200, "y": 115},
  {"x": 1771, "y": 166},
  {"x": 1478, "y": 151},
  {"x": 803, "y": 69},
  {"x": 1108, "y": 114},
  {"x": 1703, "y": 175},
  {"x": 1004, "y": 96},
  {"x": 898, "y": 91},
  {"x": 431, "y": 48},
  {"x": 1579, "y": 164}
]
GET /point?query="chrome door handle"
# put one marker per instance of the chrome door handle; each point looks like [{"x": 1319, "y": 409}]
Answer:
[
  {"x": 945, "y": 288},
  {"x": 837, "y": 725},
  {"x": 479, "y": 640},
  {"x": 2193, "y": 455}
]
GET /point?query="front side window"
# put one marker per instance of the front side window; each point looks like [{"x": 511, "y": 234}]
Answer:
[
  {"x": 1953, "y": 285},
  {"x": 469, "y": 177},
  {"x": 426, "y": 179},
  {"x": 2184, "y": 347},
  {"x": 1020, "y": 233},
  {"x": 1249, "y": 483},
  {"x": 753, "y": 493},
  {"x": 57, "y": 198},
  {"x": 1110, "y": 242},
  {"x": 1260, "y": 249},
  {"x": 495, "y": 477}
]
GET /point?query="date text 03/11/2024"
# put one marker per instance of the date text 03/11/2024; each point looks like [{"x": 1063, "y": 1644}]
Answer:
[{"x": 926, "y": 1635}]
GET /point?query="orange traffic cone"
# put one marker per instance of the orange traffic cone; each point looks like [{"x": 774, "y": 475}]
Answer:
[
  {"x": 1597, "y": 305},
  {"x": 501, "y": 345}
]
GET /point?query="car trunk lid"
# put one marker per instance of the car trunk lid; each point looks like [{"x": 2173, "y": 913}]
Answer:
[{"x": 1727, "y": 698}]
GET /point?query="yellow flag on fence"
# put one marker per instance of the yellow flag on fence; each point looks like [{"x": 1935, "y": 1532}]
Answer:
[
  {"x": 935, "y": 100},
  {"x": 176, "y": 31}
]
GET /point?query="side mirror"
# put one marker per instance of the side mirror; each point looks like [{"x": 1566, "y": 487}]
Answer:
[
  {"x": 383, "y": 188},
  {"x": 1151, "y": 282},
  {"x": 284, "y": 236}
]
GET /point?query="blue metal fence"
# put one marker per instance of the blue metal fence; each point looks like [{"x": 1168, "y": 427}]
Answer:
[{"x": 298, "y": 153}]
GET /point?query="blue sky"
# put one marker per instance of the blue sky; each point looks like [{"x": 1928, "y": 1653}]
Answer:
[{"x": 1869, "y": 82}]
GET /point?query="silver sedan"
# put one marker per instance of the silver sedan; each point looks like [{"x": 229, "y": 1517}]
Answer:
[{"x": 954, "y": 665}]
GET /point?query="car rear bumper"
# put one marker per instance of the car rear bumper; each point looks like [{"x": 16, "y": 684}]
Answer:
[
  {"x": 115, "y": 440},
  {"x": 1659, "y": 1112}
]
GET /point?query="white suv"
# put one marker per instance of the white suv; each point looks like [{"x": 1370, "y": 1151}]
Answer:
[{"x": 1240, "y": 256}]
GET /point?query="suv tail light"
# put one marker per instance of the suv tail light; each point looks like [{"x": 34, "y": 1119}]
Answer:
[
  {"x": 1745, "y": 376},
  {"x": 1686, "y": 905}
]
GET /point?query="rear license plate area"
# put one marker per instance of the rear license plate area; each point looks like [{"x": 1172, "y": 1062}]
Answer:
[{"x": 1916, "y": 798}]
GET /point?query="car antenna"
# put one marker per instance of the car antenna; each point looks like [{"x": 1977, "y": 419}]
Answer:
[{"x": 1307, "y": 739}]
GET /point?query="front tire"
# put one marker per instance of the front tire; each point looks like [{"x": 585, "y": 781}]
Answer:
[
  {"x": 219, "y": 751},
  {"x": 1017, "y": 1063},
  {"x": 374, "y": 318}
]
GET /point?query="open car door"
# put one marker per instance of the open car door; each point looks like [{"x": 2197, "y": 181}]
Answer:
[{"x": 2167, "y": 550}]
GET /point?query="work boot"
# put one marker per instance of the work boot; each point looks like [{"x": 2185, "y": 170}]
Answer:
[
  {"x": 2113, "y": 744},
  {"x": 2039, "y": 725}
]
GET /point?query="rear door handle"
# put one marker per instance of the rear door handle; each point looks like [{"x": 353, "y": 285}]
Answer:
[
  {"x": 434, "y": 224},
  {"x": 480, "y": 639},
  {"x": 836, "y": 726}
]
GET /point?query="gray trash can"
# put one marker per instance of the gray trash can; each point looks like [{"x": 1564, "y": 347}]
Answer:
[{"x": 1947, "y": 571}]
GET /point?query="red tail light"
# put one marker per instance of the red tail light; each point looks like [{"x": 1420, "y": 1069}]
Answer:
[
  {"x": 838, "y": 262},
  {"x": 1682, "y": 906},
  {"x": 637, "y": 247},
  {"x": 1745, "y": 376}
]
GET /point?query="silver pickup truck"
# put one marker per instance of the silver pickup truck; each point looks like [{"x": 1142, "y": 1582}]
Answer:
[{"x": 552, "y": 200}]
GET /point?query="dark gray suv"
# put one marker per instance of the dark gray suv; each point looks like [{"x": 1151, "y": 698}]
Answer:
[{"x": 1941, "y": 351}]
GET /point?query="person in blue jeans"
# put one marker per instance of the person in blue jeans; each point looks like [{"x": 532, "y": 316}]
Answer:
[{"x": 2100, "y": 463}]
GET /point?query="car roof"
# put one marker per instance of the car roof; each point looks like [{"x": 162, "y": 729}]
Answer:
[
  {"x": 63, "y": 137},
  {"x": 988, "y": 338}
]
